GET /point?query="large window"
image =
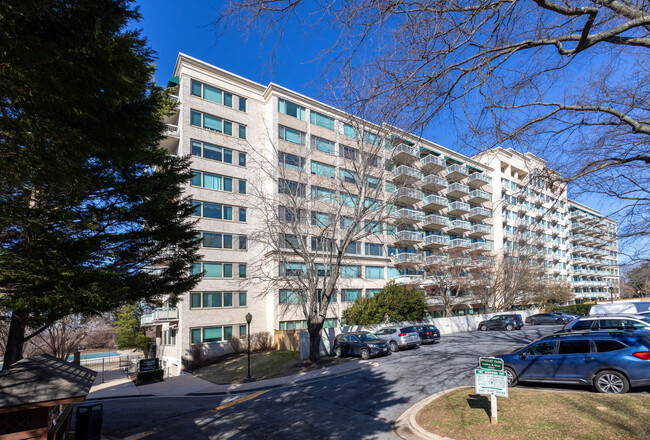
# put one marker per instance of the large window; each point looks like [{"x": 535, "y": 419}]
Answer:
[
  {"x": 216, "y": 211},
  {"x": 354, "y": 248},
  {"x": 213, "y": 270},
  {"x": 374, "y": 249},
  {"x": 350, "y": 271},
  {"x": 375, "y": 272},
  {"x": 213, "y": 94},
  {"x": 216, "y": 182},
  {"x": 291, "y": 297},
  {"x": 323, "y": 170},
  {"x": 321, "y": 120},
  {"x": 218, "y": 240},
  {"x": 321, "y": 219},
  {"x": 323, "y": 194},
  {"x": 291, "y": 161},
  {"x": 210, "y": 122},
  {"x": 291, "y": 109},
  {"x": 293, "y": 325},
  {"x": 348, "y": 152},
  {"x": 323, "y": 145},
  {"x": 291, "y": 135},
  {"x": 349, "y": 130},
  {"x": 291, "y": 188},
  {"x": 211, "y": 334},
  {"x": 349, "y": 295},
  {"x": 210, "y": 300},
  {"x": 293, "y": 269},
  {"x": 214, "y": 152}
]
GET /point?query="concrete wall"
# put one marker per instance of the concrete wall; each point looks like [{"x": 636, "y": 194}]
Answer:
[{"x": 447, "y": 326}]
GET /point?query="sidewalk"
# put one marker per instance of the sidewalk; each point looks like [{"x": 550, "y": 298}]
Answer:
[{"x": 190, "y": 385}]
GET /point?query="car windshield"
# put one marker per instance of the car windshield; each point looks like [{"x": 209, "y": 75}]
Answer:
[
  {"x": 368, "y": 337},
  {"x": 496, "y": 318}
]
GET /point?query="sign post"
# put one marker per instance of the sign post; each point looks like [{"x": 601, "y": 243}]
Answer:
[{"x": 493, "y": 380}]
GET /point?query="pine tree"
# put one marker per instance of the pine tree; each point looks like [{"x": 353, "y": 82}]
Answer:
[
  {"x": 88, "y": 201},
  {"x": 130, "y": 335}
]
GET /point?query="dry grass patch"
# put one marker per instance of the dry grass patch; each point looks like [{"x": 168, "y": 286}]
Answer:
[
  {"x": 534, "y": 414},
  {"x": 264, "y": 365}
]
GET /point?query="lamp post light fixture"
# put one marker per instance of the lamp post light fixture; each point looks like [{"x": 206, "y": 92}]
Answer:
[
  {"x": 611, "y": 291},
  {"x": 249, "y": 318}
]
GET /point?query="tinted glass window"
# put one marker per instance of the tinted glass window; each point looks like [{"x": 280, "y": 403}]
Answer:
[
  {"x": 408, "y": 330},
  {"x": 574, "y": 347},
  {"x": 543, "y": 348},
  {"x": 368, "y": 337},
  {"x": 603, "y": 346},
  {"x": 610, "y": 323},
  {"x": 629, "y": 323},
  {"x": 582, "y": 325}
]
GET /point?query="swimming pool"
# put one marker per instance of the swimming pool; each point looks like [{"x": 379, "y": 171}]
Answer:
[{"x": 96, "y": 355}]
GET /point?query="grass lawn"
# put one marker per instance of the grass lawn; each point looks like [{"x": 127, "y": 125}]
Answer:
[
  {"x": 264, "y": 365},
  {"x": 534, "y": 414}
]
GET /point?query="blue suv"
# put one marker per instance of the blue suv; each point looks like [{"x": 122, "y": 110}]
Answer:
[{"x": 611, "y": 361}]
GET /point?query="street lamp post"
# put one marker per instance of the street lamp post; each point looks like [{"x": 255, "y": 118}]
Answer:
[
  {"x": 611, "y": 291},
  {"x": 249, "y": 318}
]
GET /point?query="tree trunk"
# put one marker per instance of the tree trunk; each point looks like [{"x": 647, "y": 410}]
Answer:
[
  {"x": 314, "y": 341},
  {"x": 15, "y": 341}
]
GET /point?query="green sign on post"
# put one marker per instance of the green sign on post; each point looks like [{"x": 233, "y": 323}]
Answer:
[{"x": 490, "y": 363}]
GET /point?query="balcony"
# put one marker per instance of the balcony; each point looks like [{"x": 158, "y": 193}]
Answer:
[
  {"x": 479, "y": 213},
  {"x": 434, "y": 202},
  {"x": 457, "y": 172},
  {"x": 435, "y": 241},
  {"x": 158, "y": 316},
  {"x": 477, "y": 180},
  {"x": 432, "y": 164},
  {"x": 458, "y": 208},
  {"x": 404, "y": 174},
  {"x": 408, "y": 238},
  {"x": 480, "y": 230},
  {"x": 478, "y": 196},
  {"x": 577, "y": 226},
  {"x": 406, "y": 216},
  {"x": 171, "y": 140},
  {"x": 457, "y": 190},
  {"x": 172, "y": 131},
  {"x": 407, "y": 196},
  {"x": 460, "y": 243},
  {"x": 481, "y": 246},
  {"x": 436, "y": 260},
  {"x": 434, "y": 222},
  {"x": 434, "y": 183},
  {"x": 405, "y": 154},
  {"x": 459, "y": 226},
  {"x": 406, "y": 259},
  {"x": 408, "y": 279}
]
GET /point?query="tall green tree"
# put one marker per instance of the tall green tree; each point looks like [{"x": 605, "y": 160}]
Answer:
[
  {"x": 88, "y": 201},
  {"x": 130, "y": 334},
  {"x": 394, "y": 303}
]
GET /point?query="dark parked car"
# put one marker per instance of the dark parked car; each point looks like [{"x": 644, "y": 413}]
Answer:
[
  {"x": 611, "y": 361},
  {"x": 502, "y": 322},
  {"x": 399, "y": 337},
  {"x": 547, "y": 318},
  {"x": 362, "y": 344},
  {"x": 429, "y": 334}
]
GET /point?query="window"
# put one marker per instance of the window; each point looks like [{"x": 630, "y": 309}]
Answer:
[
  {"x": 213, "y": 94},
  {"x": 321, "y": 144},
  {"x": 242, "y": 215},
  {"x": 349, "y": 295},
  {"x": 213, "y": 210},
  {"x": 292, "y": 188},
  {"x": 212, "y": 181},
  {"x": 348, "y": 176},
  {"x": 321, "y": 219},
  {"x": 242, "y": 187},
  {"x": 242, "y": 331},
  {"x": 291, "y": 161},
  {"x": 242, "y": 132},
  {"x": 243, "y": 243},
  {"x": 213, "y": 270},
  {"x": 603, "y": 346},
  {"x": 541, "y": 349},
  {"x": 349, "y": 131},
  {"x": 372, "y": 292},
  {"x": 290, "y": 215},
  {"x": 242, "y": 270},
  {"x": 349, "y": 271},
  {"x": 347, "y": 222},
  {"x": 322, "y": 244},
  {"x": 354, "y": 248},
  {"x": 242, "y": 299},
  {"x": 212, "y": 334},
  {"x": 212, "y": 299},
  {"x": 375, "y": 272},
  {"x": 323, "y": 194},
  {"x": 348, "y": 200},
  {"x": 373, "y": 227},
  {"x": 321, "y": 120},
  {"x": 210, "y": 122},
  {"x": 214, "y": 152},
  {"x": 291, "y": 135},
  {"x": 291, "y": 109},
  {"x": 348, "y": 152},
  {"x": 323, "y": 170},
  {"x": 195, "y": 335},
  {"x": 574, "y": 347},
  {"x": 195, "y": 300},
  {"x": 374, "y": 249},
  {"x": 242, "y": 104},
  {"x": 613, "y": 324},
  {"x": 290, "y": 297}
]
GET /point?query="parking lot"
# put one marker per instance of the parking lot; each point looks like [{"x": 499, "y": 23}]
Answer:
[{"x": 364, "y": 404}]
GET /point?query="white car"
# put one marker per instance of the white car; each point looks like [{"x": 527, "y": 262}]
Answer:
[{"x": 608, "y": 322}]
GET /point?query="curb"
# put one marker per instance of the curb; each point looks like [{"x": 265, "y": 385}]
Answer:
[
  {"x": 363, "y": 366},
  {"x": 407, "y": 420}
]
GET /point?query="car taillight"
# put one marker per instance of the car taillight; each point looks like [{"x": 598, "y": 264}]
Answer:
[
  {"x": 645, "y": 355},
  {"x": 429, "y": 333},
  {"x": 402, "y": 334}
]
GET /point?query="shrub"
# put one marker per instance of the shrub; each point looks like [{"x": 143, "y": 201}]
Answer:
[
  {"x": 262, "y": 341},
  {"x": 196, "y": 358},
  {"x": 237, "y": 345},
  {"x": 574, "y": 309}
]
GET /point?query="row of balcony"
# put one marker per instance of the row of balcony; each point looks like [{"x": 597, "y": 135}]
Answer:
[
  {"x": 433, "y": 222},
  {"x": 588, "y": 251},
  {"x": 159, "y": 315},
  {"x": 455, "y": 227},
  {"x": 419, "y": 259},
  {"x": 432, "y": 164},
  {"x": 590, "y": 262}
]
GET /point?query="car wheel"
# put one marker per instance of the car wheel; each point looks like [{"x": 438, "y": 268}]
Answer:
[
  {"x": 393, "y": 346},
  {"x": 559, "y": 321},
  {"x": 509, "y": 327},
  {"x": 511, "y": 377},
  {"x": 483, "y": 327},
  {"x": 611, "y": 382},
  {"x": 338, "y": 352},
  {"x": 533, "y": 322},
  {"x": 365, "y": 354}
]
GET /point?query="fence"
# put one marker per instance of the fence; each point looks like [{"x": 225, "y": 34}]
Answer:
[{"x": 112, "y": 367}]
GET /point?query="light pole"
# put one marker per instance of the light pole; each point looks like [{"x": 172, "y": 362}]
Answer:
[
  {"x": 249, "y": 318},
  {"x": 611, "y": 291}
]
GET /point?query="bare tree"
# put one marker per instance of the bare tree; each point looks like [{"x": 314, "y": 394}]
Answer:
[
  {"x": 63, "y": 338},
  {"x": 313, "y": 221},
  {"x": 565, "y": 79}
]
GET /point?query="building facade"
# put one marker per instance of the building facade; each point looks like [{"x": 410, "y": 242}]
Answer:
[{"x": 249, "y": 142}]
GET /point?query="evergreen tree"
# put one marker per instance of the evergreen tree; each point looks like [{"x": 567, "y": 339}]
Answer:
[
  {"x": 394, "y": 303},
  {"x": 130, "y": 335},
  {"x": 88, "y": 201}
]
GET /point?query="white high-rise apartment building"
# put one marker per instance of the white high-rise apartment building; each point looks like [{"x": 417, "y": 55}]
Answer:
[{"x": 444, "y": 202}]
